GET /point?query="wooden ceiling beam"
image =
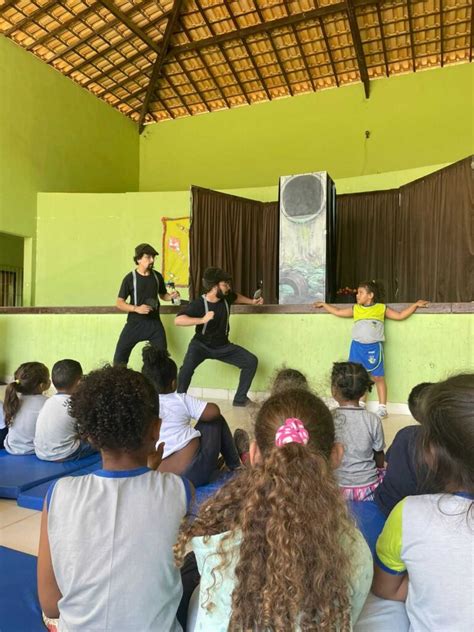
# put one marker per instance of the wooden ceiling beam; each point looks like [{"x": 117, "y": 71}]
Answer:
[
  {"x": 382, "y": 35},
  {"x": 328, "y": 49},
  {"x": 441, "y": 32},
  {"x": 223, "y": 52},
  {"x": 160, "y": 60},
  {"x": 472, "y": 33},
  {"x": 411, "y": 36},
  {"x": 130, "y": 24},
  {"x": 28, "y": 18},
  {"x": 355, "y": 32},
  {"x": 242, "y": 34},
  {"x": 303, "y": 58}
]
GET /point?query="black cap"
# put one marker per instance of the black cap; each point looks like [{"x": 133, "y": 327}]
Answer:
[
  {"x": 213, "y": 276},
  {"x": 144, "y": 249}
]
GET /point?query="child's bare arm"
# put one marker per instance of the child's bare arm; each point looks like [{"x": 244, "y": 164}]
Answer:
[
  {"x": 210, "y": 412},
  {"x": 379, "y": 458},
  {"x": 342, "y": 312},
  {"x": 392, "y": 314},
  {"x": 387, "y": 586},
  {"x": 48, "y": 590}
]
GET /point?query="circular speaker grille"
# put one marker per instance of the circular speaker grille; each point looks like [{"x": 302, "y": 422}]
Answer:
[{"x": 303, "y": 198}]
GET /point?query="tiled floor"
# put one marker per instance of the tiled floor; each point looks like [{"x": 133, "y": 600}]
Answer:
[{"x": 19, "y": 528}]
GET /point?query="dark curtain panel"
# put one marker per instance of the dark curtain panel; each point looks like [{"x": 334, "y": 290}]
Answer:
[
  {"x": 435, "y": 243},
  {"x": 238, "y": 235},
  {"x": 366, "y": 225}
]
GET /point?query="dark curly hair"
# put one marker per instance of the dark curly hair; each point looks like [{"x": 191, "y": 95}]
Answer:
[
  {"x": 350, "y": 380},
  {"x": 114, "y": 407},
  {"x": 374, "y": 287},
  {"x": 292, "y": 568},
  {"x": 158, "y": 367},
  {"x": 286, "y": 378}
]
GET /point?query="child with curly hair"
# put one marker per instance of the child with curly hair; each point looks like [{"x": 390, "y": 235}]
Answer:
[
  {"x": 368, "y": 332},
  {"x": 359, "y": 431},
  {"x": 286, "y": 378},
  {"x": 105, "y": 557},
  {"x": 275, "y": 547},
  {"x": 24, "y": 400}
]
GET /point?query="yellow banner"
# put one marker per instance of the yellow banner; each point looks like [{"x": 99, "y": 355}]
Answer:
[{"x": 176, "y": 250}]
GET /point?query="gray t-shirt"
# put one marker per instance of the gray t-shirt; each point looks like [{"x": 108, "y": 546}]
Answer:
[
  {"x": 360, "y": 432},
  {"x": 55, "y": 436},
  {"x": 21, "y": 433}
]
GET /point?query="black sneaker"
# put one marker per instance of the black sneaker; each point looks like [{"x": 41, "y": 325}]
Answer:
[
  {"x": 242, "y": 441},
  {"x": 241, "y": 404}
]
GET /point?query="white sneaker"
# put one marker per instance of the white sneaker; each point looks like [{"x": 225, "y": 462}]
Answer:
[{"x": 382, "y": 411}]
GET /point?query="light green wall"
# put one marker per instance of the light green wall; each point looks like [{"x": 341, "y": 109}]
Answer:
[
  {"x": 427, "y": 347},
  {"x": 55, "y": 136},
  {"x": 415, "y": 120},
  {"x": 11, "y": 250}
]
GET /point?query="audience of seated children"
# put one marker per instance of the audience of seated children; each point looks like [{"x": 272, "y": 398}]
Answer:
[
  {"x": 425, "y": 552},
  {"x": 275, "y": 546},
  {"x": 359, "y": 431},
  {"x": 404, "y": 476},
  {"x": 192, "y": 451},
  {"x": 106, "y": 546},
  {"x": 56, "y": 437},
  {"x": 23, "y": 401},
  {"x": 286, "y": 378}
]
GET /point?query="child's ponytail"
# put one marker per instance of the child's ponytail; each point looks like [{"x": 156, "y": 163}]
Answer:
[
  {"x": 28, "y": 378},
  {"x": 158, "y": 367}
]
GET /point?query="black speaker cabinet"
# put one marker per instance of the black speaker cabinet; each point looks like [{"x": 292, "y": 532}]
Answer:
[{"x": 307, "y": 264}]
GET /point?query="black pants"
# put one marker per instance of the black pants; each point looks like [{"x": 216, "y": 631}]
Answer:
[
  {"x": 216, "y": 438},
  {"x": 3, "y": 434},
  {"x": 135, "y": 331},
  {"x": 190, "y": 578},
  {"x": 230, "y": 354}
]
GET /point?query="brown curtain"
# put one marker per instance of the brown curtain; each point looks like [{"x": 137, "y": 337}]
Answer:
[
  {"x": 366, "y": 224},
  {"x": 238, "y": 235},
  {"x": 435, "y": 243}
]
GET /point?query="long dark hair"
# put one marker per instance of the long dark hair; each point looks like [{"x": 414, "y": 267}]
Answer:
[
  {"x": 158, "y": 367},
  {"x": 447, "y": 433},
  {"x": 28, "y": 378}
]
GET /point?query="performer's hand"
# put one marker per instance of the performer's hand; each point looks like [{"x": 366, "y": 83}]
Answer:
[
  {"x": 319, "y": 304},
  {"x": 155, "y": 458},
  {"x": 422, "y": 303},
  {"x": 174, "y": 295},
  {"x": 143, "y": 309},
  {"x": 258, "y": 301},
  {"x": 207, "y": 317}
]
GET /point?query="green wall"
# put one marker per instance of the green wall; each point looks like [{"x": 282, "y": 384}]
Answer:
[
  {"x": 11, "y": 250},
  {"x": 55, "y": 136},
  {"x": 427, "y": 347},
  {"x": 415, "y": 120}
]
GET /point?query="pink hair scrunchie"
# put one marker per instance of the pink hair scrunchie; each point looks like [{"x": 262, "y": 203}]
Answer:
[{"x": 292, "y": 431}]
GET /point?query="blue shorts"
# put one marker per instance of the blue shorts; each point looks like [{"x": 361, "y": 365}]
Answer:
[{"x": 369, "y": 355}]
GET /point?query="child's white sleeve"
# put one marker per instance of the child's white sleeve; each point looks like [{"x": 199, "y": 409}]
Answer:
[{"x": 194, "y": 406}]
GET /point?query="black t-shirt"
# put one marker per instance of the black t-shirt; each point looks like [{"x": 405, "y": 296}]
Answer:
[
  {"x": 216, "y": 333},
  {"x": 148, "y": 289},
  {"x": 403, "y": 478}
]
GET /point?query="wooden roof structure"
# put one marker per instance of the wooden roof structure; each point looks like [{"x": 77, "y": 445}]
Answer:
[{"x": 161, "y": 59}]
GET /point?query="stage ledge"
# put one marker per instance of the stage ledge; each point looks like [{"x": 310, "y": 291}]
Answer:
[{"x": 434, "y": 308}]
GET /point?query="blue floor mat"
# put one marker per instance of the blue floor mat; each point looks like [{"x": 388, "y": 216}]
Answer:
[
  {"x": 19, "y": 607},
  {"x": 370, "y": 520},
  {"x": 206, "y": 491},
  {"x": 33, "y": 497},
  {"x": 18, "y": 473}
]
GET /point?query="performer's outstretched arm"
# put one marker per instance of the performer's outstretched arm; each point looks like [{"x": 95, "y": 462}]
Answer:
[
  {"x": 245, "y": 300},
  {"x": 189, "y": 321}
]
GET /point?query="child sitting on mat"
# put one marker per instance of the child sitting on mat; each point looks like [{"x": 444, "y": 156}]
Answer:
[
  {"x": 359, "y": 431},
  {"x": 192, "y": 451},
  {"x": 275, "y": 546},
  {"x": 105, "y": 557},
  {"x": 55, "y": 437},
  {"x": 425, "y": 551},
  {"x": 22, "y": 405},
  {"x": 368, "y": 332},
  {"x": 404, "y": 476}
]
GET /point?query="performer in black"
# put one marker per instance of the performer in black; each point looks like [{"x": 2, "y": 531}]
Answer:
[
  {"x": 210, "y": 314},
  {"x": 143, "y": 285}
]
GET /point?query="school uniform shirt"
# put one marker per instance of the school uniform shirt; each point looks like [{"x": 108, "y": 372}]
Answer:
[
  {"x": 216, "y": 587},
  {"x": 21, "y": 433},
  {"x": 214, "y": 333},
  {"x": 55, "y": 436},
  {"x": 176, "y": 412},
  {"x": 404, "y": 476},
  {"x": 369, "y": 323},
  {"x": 361, "y": 433},
  {"x": 148, "y": 290},
  {"x": 111, "y": 536},
  {"x": 431, "y": 537}
]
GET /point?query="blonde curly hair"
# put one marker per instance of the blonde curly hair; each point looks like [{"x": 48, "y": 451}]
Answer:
[{"x": 293, "y": 570}]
